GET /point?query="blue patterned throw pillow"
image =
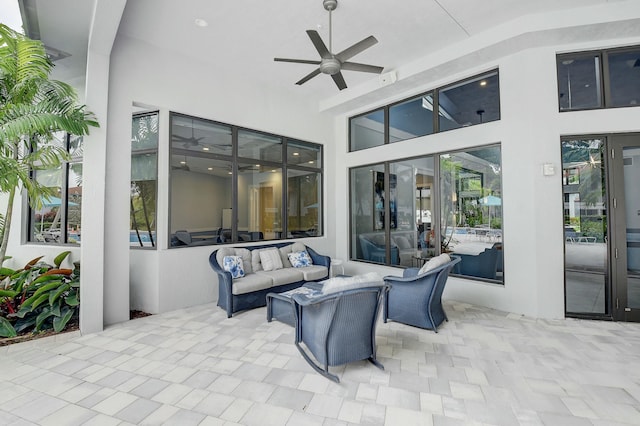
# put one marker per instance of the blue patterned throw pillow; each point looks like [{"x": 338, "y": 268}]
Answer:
[
  {"x": 233, "y": 264},
  {"x": 300, "y": 259}
]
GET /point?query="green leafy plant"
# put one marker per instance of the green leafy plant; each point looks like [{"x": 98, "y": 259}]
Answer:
[
  {"x": 38, "y": 297},
  {"x": 32, "y": 109}
]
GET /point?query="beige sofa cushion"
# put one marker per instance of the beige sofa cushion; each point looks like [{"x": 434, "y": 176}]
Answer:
[
  {"x": 283, "y": 276},
  {"x": 314, "y": 272},
  {"x": 251, "y": 283}
]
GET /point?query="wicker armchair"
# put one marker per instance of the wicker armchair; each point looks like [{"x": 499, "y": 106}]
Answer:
[
  {"x": 416, "y": 299},
  {"x": 337, "y": 328}
]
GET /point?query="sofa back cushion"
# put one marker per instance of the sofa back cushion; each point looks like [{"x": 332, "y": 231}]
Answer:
[
  {"x": 256, "y": 262},
  {"x": 270, "y": 259}
]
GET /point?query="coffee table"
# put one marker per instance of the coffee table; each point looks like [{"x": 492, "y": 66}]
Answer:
[{"x": 280, "y": 306}]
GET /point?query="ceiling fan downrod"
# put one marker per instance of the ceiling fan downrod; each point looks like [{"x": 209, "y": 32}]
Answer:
[
  {"x": 330, "y": 5},
  {"x": 330, "y": 65}
]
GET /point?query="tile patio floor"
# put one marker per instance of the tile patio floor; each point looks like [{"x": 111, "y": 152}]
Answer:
[{"x": 196, "y": 367}]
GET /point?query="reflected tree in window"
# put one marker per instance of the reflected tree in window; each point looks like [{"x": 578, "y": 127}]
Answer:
[
  {"x": 144, "y": 165},
  {"x": 587, "y": 210}
]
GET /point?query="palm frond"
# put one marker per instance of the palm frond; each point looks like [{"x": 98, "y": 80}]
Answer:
[{"x": 20, "y": 120}]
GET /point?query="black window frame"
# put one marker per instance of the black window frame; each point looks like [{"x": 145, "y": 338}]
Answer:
[
  {"x": 236, "y": 160},
  {"x": 64, "y": 200},
  {"x": 605, "y": 82},
  {"x": 435, "y": 92},
  {"x": 436, "y": 213}
]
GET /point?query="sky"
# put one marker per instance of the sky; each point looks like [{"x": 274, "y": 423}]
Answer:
[{"x": 10, "y": 14}]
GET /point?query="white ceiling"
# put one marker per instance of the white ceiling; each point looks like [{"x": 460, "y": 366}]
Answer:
[{"x": 243, "y": 37}]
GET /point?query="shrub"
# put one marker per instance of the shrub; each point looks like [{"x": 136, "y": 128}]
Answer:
[{"x": 38, "y": 297}]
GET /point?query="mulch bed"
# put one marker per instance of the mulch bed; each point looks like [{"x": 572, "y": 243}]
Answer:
[{"x": 73, "y": 325}]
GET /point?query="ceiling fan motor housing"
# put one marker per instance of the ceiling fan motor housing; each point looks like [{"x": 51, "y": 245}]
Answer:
[
  {"x": 330, "y": 4},
  {"x": 330, "y": 66}
]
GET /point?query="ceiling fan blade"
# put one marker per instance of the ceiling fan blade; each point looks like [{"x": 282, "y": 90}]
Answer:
[
  {"x": 349, "y": 52},
  {"x": 309, "y": 76},
  {"x": 297, "y": 61},
  {"x": 339, "y": 80},
  {"x": 319, "y": 44},
  {"x": 352, "y": 66}
]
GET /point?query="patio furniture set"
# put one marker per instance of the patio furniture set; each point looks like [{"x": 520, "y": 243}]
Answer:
[{"x": 334, "y": 318}]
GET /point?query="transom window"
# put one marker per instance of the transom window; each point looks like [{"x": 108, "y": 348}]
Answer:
[
  {"x": 465, "y": 103},
  {"x": 599, "y": 79}
]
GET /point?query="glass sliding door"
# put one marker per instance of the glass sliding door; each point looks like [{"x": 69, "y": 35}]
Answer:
[
  {"x": 587, "y": 286},
  {"x": 626, "y": 248}
]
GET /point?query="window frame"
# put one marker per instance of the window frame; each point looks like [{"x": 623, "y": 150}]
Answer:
[
  {"x": 436, "y": 214},
  {"x": 605, "y": 83},
  {"x": 145, "y": 151},
  {"x": 65, "y": 167},
  {"x": 435, "y": 93},
  {"x": 236, "y": 161}
]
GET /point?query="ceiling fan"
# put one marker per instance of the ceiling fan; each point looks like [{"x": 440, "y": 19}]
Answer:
[{"x": 332, "y": 64}]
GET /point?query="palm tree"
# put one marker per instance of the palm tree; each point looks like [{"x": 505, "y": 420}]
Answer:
[{"x": 32, "y": 109}]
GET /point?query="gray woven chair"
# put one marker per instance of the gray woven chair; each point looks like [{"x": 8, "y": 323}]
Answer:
[
  {"x": 338, "y": 328},
  {"x": 417, "y": 299}
]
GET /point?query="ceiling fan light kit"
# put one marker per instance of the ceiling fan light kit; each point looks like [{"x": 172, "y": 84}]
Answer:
[{"x": 333, "y": 64}]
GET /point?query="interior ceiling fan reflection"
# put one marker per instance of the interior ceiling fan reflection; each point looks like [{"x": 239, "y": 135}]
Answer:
[
  {"x": 193, "y": 141},
  {"x": 330, "y": 63}
]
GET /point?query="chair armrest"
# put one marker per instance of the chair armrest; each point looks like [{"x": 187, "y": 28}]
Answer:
[
  {"x": 223, "y": 276},
  {"x": 306, "y": 300},
  {"x": 408, "y": 275},
  {"x": 318, "y": 259}
]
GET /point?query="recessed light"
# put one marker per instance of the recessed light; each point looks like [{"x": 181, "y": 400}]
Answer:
[
  {"x": 296, "y": 153},
  {"x": 183, "y": 162},
  {"x": 201, "y": 22},
  {"x": 273, "y": 171},
  {"x": 230, "y": 173},
  {"x": 483, "y": 83},
  {"x": 205, "y": 148},
  {"x": 311, "y": 162},
  {"x": 209, "y": 168}
]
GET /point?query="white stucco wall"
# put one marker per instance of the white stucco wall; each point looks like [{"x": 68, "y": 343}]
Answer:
[
  {"x": 529, "y": 132},
  {"x": 141, "y": 74}
]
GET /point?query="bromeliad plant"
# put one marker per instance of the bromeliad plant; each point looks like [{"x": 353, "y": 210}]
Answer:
[{"x": 38, "y": 297}]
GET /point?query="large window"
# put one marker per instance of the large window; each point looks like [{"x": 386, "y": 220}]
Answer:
[
  {"x": 230, "y": 184},
  {"x": 599, "y": 79},
  {"x": 407, "y": 211},
  {"x": 58, "y": 220},
  {"x": 144, "y": 179},
  {"x": 472, "y": 101},
  {"x": 471, "y": 211}
]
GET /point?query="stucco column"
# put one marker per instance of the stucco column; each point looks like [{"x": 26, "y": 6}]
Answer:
[{"x": 104, "y": 27}]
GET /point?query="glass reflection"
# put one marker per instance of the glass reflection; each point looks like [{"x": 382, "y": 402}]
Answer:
[{"x": 471, "y": 211}]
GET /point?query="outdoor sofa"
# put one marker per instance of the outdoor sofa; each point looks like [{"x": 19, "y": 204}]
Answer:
[{"x": 265, "y": 268}]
